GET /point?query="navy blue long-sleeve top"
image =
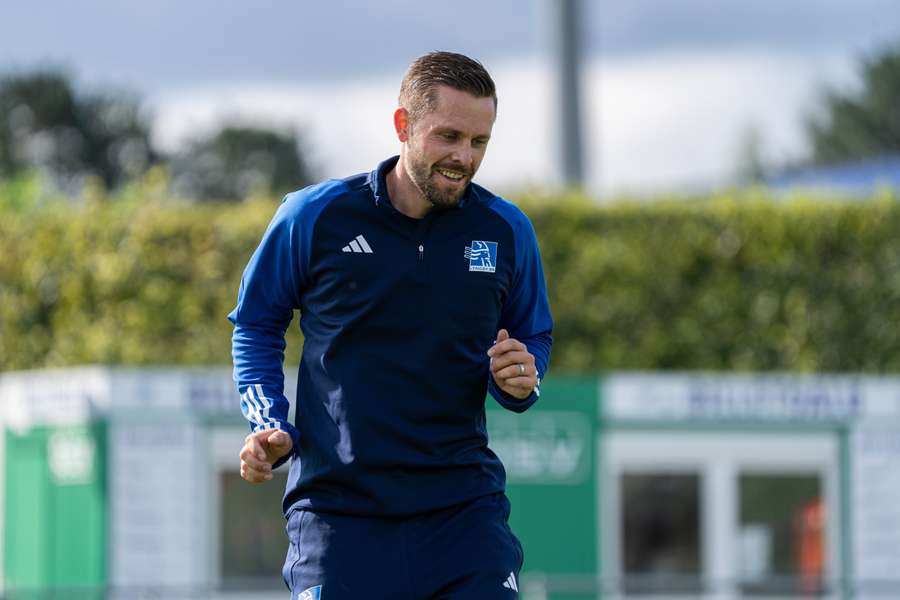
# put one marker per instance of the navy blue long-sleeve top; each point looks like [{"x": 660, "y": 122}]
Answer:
[{"x": 397, "y": 316}]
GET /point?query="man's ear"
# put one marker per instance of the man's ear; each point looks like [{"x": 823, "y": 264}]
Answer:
[{"x": 401, "y": 124}]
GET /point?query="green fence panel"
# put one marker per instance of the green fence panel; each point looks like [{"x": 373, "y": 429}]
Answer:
[
  {"x": 55, "y": 534},
  {"x": 549, "y": 454},
  {"x": 27, "y": 530}
]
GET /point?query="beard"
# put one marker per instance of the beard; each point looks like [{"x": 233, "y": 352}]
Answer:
[{"x": 423, "y": 177}]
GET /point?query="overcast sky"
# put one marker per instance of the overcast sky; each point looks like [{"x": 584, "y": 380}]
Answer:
[{"x": 670, "y": 87}]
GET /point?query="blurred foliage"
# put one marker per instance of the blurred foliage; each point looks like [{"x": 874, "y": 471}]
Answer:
[
  {"x": 739, "y": 281},
  {"x": 138, "y": 280},
  {"x": 736, "y": 282},
  {"x": 864, "y": 123},
  {"x": 78, "y": 140},
  {"x": 45, "y": 125},
  {"x": 237, "y": 162}
]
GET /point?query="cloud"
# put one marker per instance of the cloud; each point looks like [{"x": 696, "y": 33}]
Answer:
[
  {"x": 658, "y": 122},
  {"x": 676, "y": 120}
]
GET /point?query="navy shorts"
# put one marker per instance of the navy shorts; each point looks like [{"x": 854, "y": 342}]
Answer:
[{"x": 463, "y": 552}]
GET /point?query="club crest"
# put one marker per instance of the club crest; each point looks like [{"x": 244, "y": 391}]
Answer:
[
  {"x": 482, "y": 256},
  {"x": 313, "y": 593}
]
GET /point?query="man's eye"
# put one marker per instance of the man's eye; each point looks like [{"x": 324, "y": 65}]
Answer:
[{"x": 449, "y": 136}]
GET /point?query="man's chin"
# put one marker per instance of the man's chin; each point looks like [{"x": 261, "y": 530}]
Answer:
[{"x": 445, "y": 200}]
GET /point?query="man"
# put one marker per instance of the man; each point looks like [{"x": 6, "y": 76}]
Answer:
[{"x": 419, "y": 291}]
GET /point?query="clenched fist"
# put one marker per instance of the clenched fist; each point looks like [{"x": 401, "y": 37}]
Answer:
[
  {"x": 512, "y": 366},
  {"x": 261, "y": 450}
]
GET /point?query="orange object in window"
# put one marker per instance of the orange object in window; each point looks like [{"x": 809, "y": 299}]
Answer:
[{"x": 809, "y": 528}]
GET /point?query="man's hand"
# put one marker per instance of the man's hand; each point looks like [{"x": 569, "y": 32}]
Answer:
[
  {"x": 261, "y": 450},
  {"x": 512, "y": 366}
]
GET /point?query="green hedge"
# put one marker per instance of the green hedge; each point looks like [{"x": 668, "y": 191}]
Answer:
[
  {"x": 134, "y": 280},
  {"x": 733, "y": 282}
]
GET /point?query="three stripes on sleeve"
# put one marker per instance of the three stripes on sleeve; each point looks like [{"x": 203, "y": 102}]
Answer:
[{"x": 255, "y": 406}]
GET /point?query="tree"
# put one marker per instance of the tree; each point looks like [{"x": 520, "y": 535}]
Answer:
[
  {"x": 751, "y": 164},
  {"x": 237, "y": 161},
  {"x": 864, "y": 124},
  {"x": 45, "y": 125}
]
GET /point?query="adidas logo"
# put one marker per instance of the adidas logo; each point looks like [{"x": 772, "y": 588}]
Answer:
[
  {"x": 510, "y": 583},
  {"x": 358, "y": 245}
]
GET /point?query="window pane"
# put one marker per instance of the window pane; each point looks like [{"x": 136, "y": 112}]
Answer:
[
  {"x": 254, "y": 542},
  {"x": 781, "y": 535},
  {"x": 661, "y": 532}
]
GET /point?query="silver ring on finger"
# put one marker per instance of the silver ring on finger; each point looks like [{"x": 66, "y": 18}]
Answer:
[{"x": 521, "y": 369}]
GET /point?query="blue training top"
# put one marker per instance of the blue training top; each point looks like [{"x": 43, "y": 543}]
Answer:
[{"x": 397, "y": 316}]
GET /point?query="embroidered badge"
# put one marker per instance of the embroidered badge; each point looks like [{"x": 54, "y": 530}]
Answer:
[
  {"x": 313, "y": 593},
  {"x": 482, "y": 256}
]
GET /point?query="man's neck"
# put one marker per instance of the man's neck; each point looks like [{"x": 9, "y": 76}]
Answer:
[{"x": 404, "y": 194}]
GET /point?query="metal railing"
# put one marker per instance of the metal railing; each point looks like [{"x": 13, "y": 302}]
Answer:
[
  {"x": 536, "y": 586},
  {"x": 533, "y": 586}
]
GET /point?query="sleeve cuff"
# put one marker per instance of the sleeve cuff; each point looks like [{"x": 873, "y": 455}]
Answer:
[{"x": 510, "y": 402}]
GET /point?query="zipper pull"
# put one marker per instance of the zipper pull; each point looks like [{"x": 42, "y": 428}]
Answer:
[{"x": 421, "y": 251}]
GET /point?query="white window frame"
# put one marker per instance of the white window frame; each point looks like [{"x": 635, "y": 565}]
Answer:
[{"x": 719, "y": 458}]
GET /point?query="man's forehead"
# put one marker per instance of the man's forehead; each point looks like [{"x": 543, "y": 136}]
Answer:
[{"x": 461, "y": 110}]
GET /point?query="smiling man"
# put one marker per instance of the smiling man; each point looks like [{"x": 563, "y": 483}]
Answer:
[{"x": 419, "y": 292}]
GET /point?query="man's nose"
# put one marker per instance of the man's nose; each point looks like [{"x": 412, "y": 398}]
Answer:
[{"x": 462, "y": 154}]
